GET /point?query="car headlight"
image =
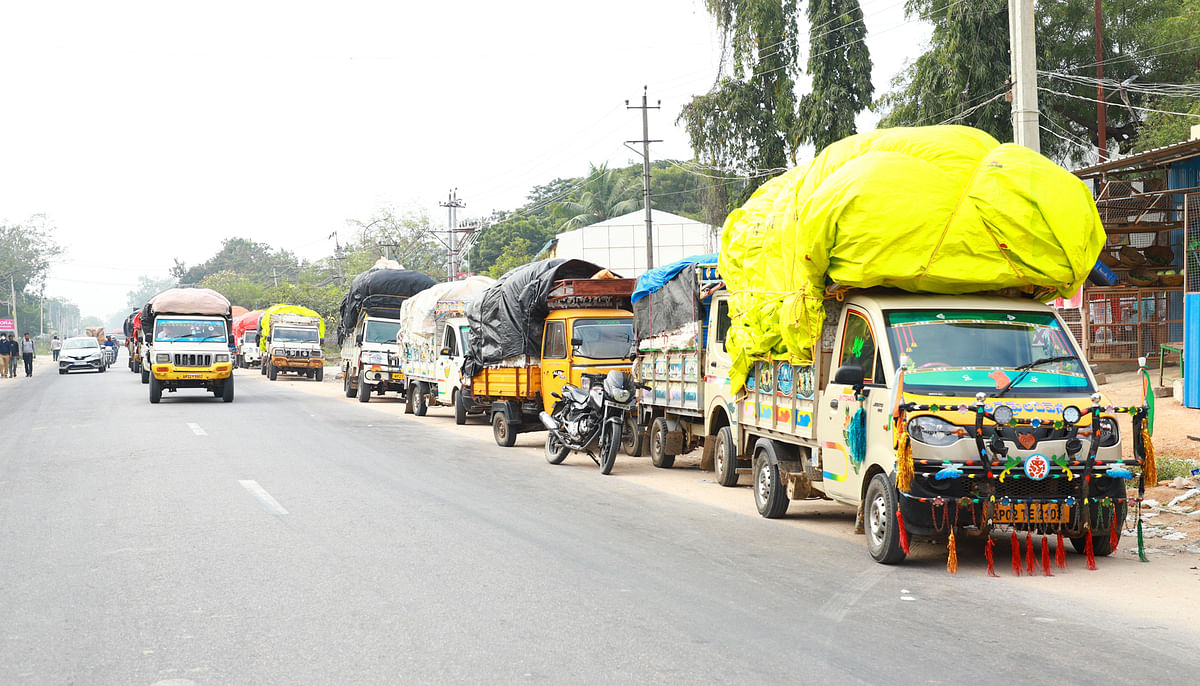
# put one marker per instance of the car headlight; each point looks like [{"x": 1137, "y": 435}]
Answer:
[
  {"x": 161, "y": 358},
  {"x": 932, "y": 430},
  {"x": 222, "y": 357},
  {"x": 621, "y": 395},
  {"x": 1110, "y": 434}
]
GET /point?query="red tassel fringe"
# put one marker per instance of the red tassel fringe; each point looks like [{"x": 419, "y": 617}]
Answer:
[
  {"x": 991, "y": 556},
  {"x": 902, "y": 530},
  {"x": 1016, "y": 554},
  {"x": 1030, "y": 560},
  {"x": 1089, "y": 553},
  {"x": 1046, "y": 556},
  {"x": 1114, "y": 534},
  {"x": 1060, "y": 552}
]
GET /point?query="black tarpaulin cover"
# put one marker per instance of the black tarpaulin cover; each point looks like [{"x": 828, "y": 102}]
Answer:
[
  {"x": 674, "y": 304},
  {"x": 379, "y": 292},
  {"x": 506, "y": 321}
]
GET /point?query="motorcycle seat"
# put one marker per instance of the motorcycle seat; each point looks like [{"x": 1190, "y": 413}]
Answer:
[{"x": 575, "y": 393}]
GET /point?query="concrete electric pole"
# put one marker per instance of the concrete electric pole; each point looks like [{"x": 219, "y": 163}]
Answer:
[
  {"x": 1024, "y": 74},
  {"x": 645, "y": 108},
  {"x": 453, "y": 203}
]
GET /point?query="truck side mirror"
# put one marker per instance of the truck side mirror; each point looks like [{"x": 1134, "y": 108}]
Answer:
[
  {"x": 358, "y": 339},
  {"x": 576, "y": 342},
  {"x": 849, "y": 375},
  {"x": 446, "y": 351}
]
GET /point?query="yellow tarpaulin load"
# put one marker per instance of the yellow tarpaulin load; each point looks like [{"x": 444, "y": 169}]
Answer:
[
  {"x": 936, "y": 209},
  {"x": 264, "y": 324}
]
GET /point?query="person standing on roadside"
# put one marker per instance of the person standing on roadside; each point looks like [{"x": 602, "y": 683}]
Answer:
[
  {"x": 55, "y": 346},
  {"x": 14, "y": 354},
  {"x": 27, "y": 353},
  {"x": 4, "y": 353}
]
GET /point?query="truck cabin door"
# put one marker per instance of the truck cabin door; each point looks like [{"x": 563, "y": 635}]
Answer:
[
  {"x": 717, "y": 362},
  {"x": 556, "y": 365},
  {"x": 448, "y": 356},
  {"x": 857, "y": 345}
]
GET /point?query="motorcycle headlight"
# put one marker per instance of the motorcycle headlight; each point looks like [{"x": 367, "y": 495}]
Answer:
[
  {"x": 621, "y": 395},
  {"x": 1110, "y": 434},
  {"x": 161, "y": 358},
  {"x": 932, "y": 430}
]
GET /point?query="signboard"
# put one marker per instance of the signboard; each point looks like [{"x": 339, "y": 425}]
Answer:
[{"x": 7, "y": 325}]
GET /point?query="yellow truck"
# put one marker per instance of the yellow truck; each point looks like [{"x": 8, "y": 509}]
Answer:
[{"x": 290, "y": 338}]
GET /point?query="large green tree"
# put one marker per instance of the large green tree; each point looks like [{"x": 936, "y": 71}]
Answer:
[
  {"x": 257, "y": 261},
  {"x": 26, "y": 251},
  {"x": 839, "y": 64},
  {"x": 604, "y": 196}
]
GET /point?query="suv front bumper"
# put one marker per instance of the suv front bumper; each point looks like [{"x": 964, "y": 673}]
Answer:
[{"x": 169, "y": 372}]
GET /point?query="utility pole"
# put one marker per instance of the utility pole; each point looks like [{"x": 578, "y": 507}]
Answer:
[
  {"x": 1024, "y": 74},
  {"x": 645, "y": 108},
  {"x": 1102, "y": 107},
  {"x": 12, "y": 292},
  {"x": 453, "y": 203}
]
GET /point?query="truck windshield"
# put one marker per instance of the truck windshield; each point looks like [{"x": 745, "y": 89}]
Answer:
[
  {"x": 250, "y": 338},
  {"x": 380, "y": 331},
  {"x": 291, "y": 335},
  {"x": 603, "y": 339},
  {"x": 189, "y": 330},
  {"x": 983, "y": 350}
]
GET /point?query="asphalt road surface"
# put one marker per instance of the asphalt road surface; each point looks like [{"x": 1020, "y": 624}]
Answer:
[{"x": 289, "y": 538}]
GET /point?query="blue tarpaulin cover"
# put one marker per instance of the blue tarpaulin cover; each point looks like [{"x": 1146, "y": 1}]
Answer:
[{"x": 656, "y": 278}]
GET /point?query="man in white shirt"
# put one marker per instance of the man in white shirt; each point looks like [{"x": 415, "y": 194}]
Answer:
[
  {"x": 55, "y": 346},
  {"x": 27, "y": 353}
]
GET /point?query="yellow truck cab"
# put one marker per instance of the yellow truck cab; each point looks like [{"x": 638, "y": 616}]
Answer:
[{"x": 945, "y": 413}]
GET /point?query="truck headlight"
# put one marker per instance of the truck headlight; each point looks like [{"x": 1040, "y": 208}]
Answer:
[
  {"x": 932, "y": 430},
  {"x": 374, "y": 358},
  {"x": 161, "y": 358},
  {"x": 221, "y": 357}
]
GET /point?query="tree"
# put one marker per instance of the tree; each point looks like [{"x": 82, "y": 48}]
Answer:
[
  {"x": 257, "y": 261},
  {"x": 405, "y": 237},
  {"x": 26, "y": 251},
  {"x": 238, "y": 288},
  {"x": 515, "y": 254},
  {"x": 147, "y": 288},
  {"x": 747, "y": 122},
  {"x": 605, "y": 195},
  {"x": 840, "y": 66}
]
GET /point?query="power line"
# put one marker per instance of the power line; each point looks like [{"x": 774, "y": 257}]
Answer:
[{"x": 1132, "y": 107}]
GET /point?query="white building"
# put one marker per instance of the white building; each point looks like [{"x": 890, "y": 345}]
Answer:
[{"x": 620, "y": 243}]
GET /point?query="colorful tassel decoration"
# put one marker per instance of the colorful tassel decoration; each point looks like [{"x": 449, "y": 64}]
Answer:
[
  {"x": 951, "y": 555},
  {"x": 1016, "y": 554},
  {"x": 903, "y": 532},
  {"x": 1060, "y": 552},
  {"x": 1141, "y": 542},
  {"x": 1030, "y": 562},
  {"x": 1088, "y": 553},
  {"x": 990, "y": 554},
  {"x": 904, "y": 464},
  {"x": 1149, "y": 466},
  {"x": 1114, "y": 533},
  {"x": 1045, "y": 556}
]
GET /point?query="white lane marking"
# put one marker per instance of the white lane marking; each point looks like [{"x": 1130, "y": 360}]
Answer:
[
  {"x": 269, "y": 504},
  {"x": 196, "y": 429}
]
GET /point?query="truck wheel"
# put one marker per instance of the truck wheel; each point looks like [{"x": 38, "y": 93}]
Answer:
[
  {"x": 770, "y": 493},
  {"x": 227, "y": 390},
  {"x": 502, "y": 430},
  {"x": 145, "y": 375},
  {"x": 610, "y": 441},
  {"x": 410, "y": 394},
  {"x": 658, "y": 444},
  {"x": 155, "y": 391},
  {"x": 420, "y": 401},
  {"x": 556, "y": 452},
  {"x": 364, "y": 390},
  {"x": 883, "y": 533},
  {"x": 1100, "y": 542},
  {"x": 319, "y": 375},
  {"x": 272, "y": 372},
  {"x": 460, "y": 409},
  {"x": 346, "y": 383},
  {"x": 262, "y": 367},
  {"x": 725, "y": 458},
  {"x": 631, "y": 437}
]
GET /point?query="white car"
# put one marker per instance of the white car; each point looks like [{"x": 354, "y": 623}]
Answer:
[{"x": 81, "y": 352}]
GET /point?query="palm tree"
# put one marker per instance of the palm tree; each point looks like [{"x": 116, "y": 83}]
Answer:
[{"x": 605, "y": 196}]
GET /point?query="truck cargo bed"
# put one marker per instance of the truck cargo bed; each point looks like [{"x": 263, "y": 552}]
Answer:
[{"x": 508, "y": 382}]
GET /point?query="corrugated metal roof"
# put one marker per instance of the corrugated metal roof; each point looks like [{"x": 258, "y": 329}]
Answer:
[{"x": 1150, "y": 159}]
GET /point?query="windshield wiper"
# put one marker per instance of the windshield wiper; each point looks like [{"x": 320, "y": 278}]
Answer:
[{"x": 1026, "y": 368}]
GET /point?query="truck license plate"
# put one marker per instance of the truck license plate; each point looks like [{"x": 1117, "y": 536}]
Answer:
[
  {"x": 1033, "y": 513},
  {"x": 397, "y": 377}
]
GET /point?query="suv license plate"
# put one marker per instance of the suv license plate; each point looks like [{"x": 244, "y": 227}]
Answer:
[{"x": 1033, "y": 513}]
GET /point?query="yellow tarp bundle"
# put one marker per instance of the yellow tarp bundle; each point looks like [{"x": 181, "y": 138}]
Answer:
[
  {"x": 264, "y": 324},
  {"x": 936, "y": 209}
]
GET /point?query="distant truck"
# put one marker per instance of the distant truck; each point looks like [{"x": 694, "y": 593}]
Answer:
[
  {"x": 133, "y": 330},
  {"x": 96, "y": 332},
  {"x": 290, "y": 339},
  {"x": 433, "y": 339},
  {"x": 245, "y": 339},
  {"x": 543, "y": 325},
  {"x": 368, "y": 327},
  {"x": 186, "y": 332}
]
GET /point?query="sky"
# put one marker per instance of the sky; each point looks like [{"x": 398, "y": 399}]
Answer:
[{"x": 150, "y": 131}]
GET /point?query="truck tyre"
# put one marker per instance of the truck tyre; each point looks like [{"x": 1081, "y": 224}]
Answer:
[
  {"x": 420, "y": 400},
  {"x": 346, "y": 383},
  {"x": 1100, "y": 542},
  {"x": 364, "y": 389},
  {"x": 319, "y": 375},
  {"x": 658, "y": 444},
  {"x": 883, "y": 533},
  {"x": 272, "y": 372},
  {"x": 725, "y": 458},
  {"x": 145, "y": 375},
  {"x": 770, "y": 493},
  {"x": 610, "y": 441},
  {"x": 227, "y": 390},
  {"x": 409, "y": 398},
  {"x": 155, "y": 391},
  {"x": 460, "y": 408},
  {"x": 632, "y": 436},
  {"x": 262, "y": 367},
  {"x": 502, "y": 430},
  {"x": 556, "y": 452}
]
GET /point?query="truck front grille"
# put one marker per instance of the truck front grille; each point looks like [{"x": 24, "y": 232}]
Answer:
[{"x": 193, "y": 360}]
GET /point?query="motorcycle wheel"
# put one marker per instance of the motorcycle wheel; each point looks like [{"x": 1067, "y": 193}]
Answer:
[
  {"x": 556, "y": 452},
  {"x": 610, "y": 440}
]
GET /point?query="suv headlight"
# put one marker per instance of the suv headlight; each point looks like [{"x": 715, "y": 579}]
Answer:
[
  {"x": 1110, "y": 434},
  {"x": 932, "y": 430},
  {"x": 221, "y": 357},
  {"x": 161, "y": 358},
  {"x": 374, "y": 358}
]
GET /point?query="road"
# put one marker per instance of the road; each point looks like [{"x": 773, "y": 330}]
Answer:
[{"x": 300, "y": 538}]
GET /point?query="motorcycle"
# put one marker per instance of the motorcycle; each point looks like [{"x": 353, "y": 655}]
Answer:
[{"x": 590, "y": 421}]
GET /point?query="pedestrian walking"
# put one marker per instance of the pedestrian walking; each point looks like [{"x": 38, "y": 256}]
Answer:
[
  {"x": 55, "y": 346},
  {"x": 14, "y": 354},
  {"x": 4, "y": 353},
  {"x": 27, "y": 352}
]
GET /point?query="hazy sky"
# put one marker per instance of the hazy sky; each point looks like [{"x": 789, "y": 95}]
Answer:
[{"x": 148, "y": 131}]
